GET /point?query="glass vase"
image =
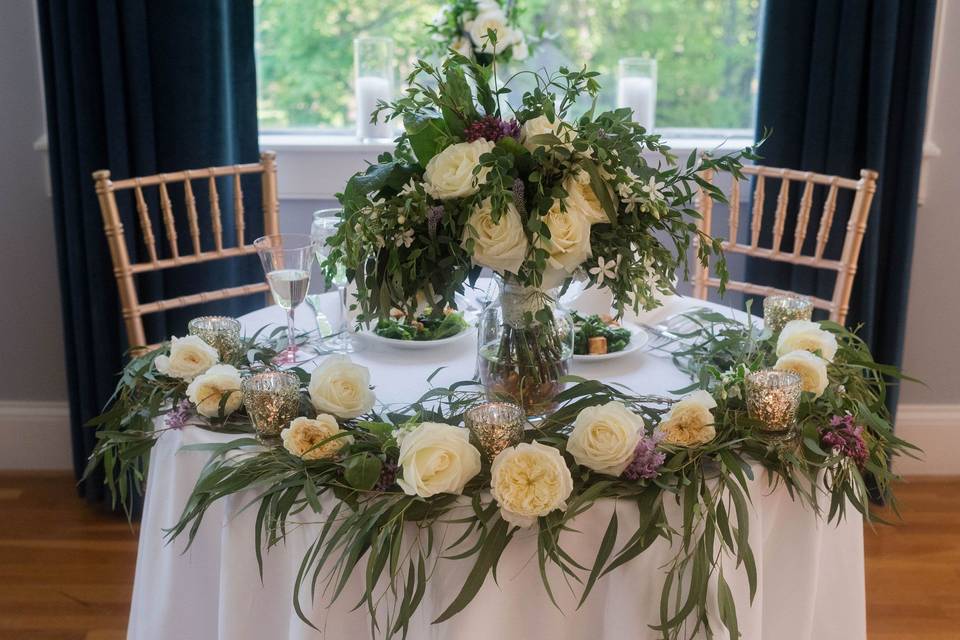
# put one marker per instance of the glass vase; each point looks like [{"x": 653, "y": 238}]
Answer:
[{"x": 525, "y": 344}]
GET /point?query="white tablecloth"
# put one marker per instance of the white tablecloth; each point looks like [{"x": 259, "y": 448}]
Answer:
[{"x": 811, "y": 576}]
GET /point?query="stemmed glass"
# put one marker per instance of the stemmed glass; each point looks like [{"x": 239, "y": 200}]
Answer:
[
  {"x": 287, "y": 258},
  {"x": 325, "y": 224}
]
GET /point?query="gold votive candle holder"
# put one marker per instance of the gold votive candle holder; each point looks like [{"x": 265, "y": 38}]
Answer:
[
  {"x": 773, "y": 398},
  {"x": 494, "y": 426},
  {"x": 272, "y": 400},
  {"x": 781, "y": 309},
  {"x": 220, "y": 332}
]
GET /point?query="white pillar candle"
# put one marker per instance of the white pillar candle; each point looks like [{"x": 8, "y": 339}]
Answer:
[
  {"x": 371, "y": 90},
  {"x": 639, "y": 94}
]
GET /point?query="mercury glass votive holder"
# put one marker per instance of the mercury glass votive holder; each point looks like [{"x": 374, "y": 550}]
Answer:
[
  {"x": 220, "y": 332},
  {"x": 272, "y": 400},
  {"x": 773, "y": 398},
  {"x": 494, "y": 426},
  {"x": 781, "y": 309}
]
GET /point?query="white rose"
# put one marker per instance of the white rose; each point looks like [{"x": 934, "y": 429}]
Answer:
[
  {"x": 569, "y": 242},
  {"x": 581, "y": 198},
  {"x": 490, "y": 17},
  {"x": 803, "y": 335},
  {"x": 520, "y": 50},
  {"x": 541, "y": 125},
  {"x": 462, "y": 46},
  {"x": 303, "y": 435},
  {"x": 811, "y": 368},
  {"x": 502, "y": 245},
  {"x": 528, "y": 481},
  {"x": 689, "y": 421},
  {"x": 436, "y": 458},
  {"x": 449, "y": 174},
  {"x": 207, "y": 390},
  {"x": 605, "y": 437},
  {"x": 340, "y": 387},
  {"x": 189, "y": 357}
]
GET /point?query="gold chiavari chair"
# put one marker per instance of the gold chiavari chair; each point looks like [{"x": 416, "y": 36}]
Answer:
[
  {"x": 845, "y": 267},
  {"x": 125, "y": 271}
]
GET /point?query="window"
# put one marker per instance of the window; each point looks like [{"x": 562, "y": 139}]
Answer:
[{"x": 706, "y": 52}]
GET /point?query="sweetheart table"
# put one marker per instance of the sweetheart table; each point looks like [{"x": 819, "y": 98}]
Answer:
[{"x": 810, "y": 574}]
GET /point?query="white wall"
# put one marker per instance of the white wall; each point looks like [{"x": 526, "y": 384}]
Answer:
[{"x": 33, "y": 429}]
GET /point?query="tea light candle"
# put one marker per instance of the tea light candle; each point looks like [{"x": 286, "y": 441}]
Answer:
[
  {"x": 494, "y": 426},
  {"x": 220, "y": 332},
  {"x": 781, "y": 309},
  {"x": 272, "y": 400},
  {"x": 773, "y": 398}
]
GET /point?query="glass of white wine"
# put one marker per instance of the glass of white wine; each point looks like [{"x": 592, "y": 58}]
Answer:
[
  {"x": 325, "y": 224},
  {"x": 287, "y": 258}
]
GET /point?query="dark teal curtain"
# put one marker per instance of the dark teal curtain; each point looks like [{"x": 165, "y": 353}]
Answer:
[
  {"x": 843, "y": 87},
  {"x": 139, "y": 87}
]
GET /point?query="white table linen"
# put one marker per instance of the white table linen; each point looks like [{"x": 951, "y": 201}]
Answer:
[{"x": 810, "y": 585}]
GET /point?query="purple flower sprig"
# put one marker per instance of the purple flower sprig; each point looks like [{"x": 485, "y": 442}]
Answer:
[
  {"x": 178, "y": 416},
  {"x": 845, "y": 438},
  {"x": 493, "y": 129},
  {"x": 647, "y": 460},
  {"x": 388, "y": 476}
]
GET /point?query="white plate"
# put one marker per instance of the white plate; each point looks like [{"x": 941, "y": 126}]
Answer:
[
  {"x": 638, "y": 338},
  {"x": 418, "y": 344}
]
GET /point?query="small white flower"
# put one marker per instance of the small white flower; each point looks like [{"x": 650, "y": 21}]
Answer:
[
  {"x": 652, "y": 189},
  {"x": 409, "y": 188},
  {"x": 404, "y": 239},
  {"x": 605, "y": 269}
]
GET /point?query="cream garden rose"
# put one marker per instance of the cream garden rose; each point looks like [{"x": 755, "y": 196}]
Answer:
[
  {"x": 207, "y": 390},
  {"x": 569, "y": 242},
  {"x": 605, "y": 437},
  {"x": 542, "y": 125},
  {"x": 490, "y": 17},
  {"x": 341, "y": 387},
  {"x": 529, "y": 480},
  {"x": 436, "y": 458},
  {"x": 449, "y": 174},
  {"x": 690, "y": 421},
  {"x": 804, "y": 335},
  {"x": 582, "y": 198},
  {"x": 189, "y": 357},
  {"x": 303, "y": 435},
  {"x": 501, "y": 245},
  {"x": 811, "y": 368}
]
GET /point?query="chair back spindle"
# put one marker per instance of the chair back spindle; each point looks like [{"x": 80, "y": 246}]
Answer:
[{"x": 845, "y": 266}]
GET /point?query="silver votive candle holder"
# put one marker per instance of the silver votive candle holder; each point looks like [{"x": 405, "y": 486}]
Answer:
[
  {"x": 494, "y": 426},
  {"x": 780, "y": 309},
  {"x": 272, "y": 400},
  {"x": 220, "y": 332},
  {"x": 772, "y": 399}
]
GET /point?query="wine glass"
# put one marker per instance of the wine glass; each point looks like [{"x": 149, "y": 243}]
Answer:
[
  {"x": 287, "y": 258},
  {"x": 325, "y": 224}
]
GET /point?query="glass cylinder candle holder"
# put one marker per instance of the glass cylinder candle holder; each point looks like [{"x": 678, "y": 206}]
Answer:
[
  {"x": 272, "y": 400},
  {"x": 773, "y": 398},
  {"x": 781, "y": 309},
  {"x": 494, "y": 426},
  {"x": 220, "y": 332},
  {"x": 373, "y": 82},
  {"x": 637, "y": 89}
]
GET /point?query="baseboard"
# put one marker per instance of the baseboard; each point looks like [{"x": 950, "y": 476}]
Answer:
[
  {"x": 34, "y": 435},
  {"x": 935, "y": 428}
]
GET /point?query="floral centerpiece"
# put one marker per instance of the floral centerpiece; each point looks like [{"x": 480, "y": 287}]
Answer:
[
  {"x": 462, "y": 26},
  {"x": 536, "y": 195}
]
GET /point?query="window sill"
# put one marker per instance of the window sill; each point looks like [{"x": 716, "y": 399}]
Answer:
[{"x": 315, "y": 166}]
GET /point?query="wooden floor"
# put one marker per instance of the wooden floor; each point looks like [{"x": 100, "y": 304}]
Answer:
[{"x": 66, "y": 569}]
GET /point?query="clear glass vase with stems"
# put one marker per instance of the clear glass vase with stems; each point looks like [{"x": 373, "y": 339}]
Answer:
[
  {"x": 525, "y": 344},
  {"x": 287, "y": 259},
  {"x": 325, "y": 224}
]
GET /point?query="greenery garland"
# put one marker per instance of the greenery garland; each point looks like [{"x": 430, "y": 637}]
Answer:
[{"x": 844, "y": 434}]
